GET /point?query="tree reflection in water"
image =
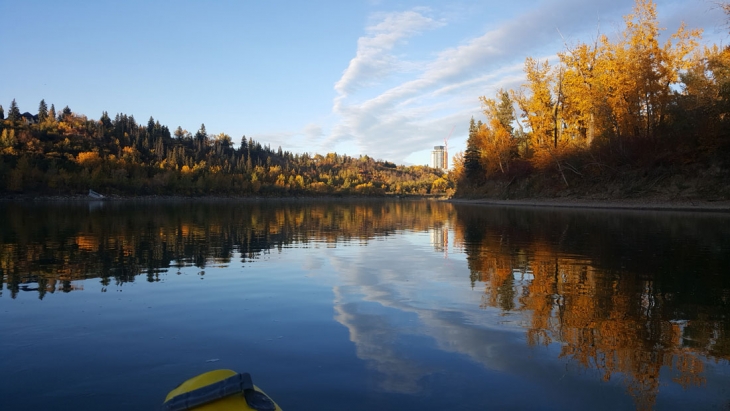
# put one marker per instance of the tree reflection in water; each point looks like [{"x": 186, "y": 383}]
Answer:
[
  {"x": 46, "y": 247},
  {"x": 624, "y": 293}
]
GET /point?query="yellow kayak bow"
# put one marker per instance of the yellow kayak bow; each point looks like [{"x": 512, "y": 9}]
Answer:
[{"x": 219, "y": 390}]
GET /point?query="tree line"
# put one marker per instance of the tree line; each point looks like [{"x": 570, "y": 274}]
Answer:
[
  {"x": 68, "y": 153},
  {"x": 627, "y": 102}
]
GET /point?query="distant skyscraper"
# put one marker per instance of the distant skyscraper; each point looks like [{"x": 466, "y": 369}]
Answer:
[{"x": 440, "y": 158}]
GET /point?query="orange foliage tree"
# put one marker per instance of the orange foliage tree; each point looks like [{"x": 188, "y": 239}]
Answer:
[{"x": 631, "y": 91}]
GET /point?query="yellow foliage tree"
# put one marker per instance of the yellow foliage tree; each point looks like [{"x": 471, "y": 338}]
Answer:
[
  {"x": 88, "y": 158},
  {"x": 637, "y": 74},
  {"x": 439, "y": 185},
  {"x": 495, "y": 140}
]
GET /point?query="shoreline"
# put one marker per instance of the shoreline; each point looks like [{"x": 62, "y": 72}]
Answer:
[{"x": 647, "y": 204}]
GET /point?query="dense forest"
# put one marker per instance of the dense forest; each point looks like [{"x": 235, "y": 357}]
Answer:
[
  {"x": 65, "y": 153},
  {"x": 624, "y": 108}
]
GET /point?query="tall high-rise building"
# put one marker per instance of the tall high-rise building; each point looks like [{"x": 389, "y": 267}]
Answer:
[{"x": 440, "y": 158}]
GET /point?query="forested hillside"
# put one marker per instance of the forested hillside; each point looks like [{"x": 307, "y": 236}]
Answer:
[
  {"x": 623, "y": 115},
  {"x": 64, "y": 153}
]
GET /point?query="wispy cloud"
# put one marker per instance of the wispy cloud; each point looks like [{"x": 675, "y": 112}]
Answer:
[
  {"x": 373, "y": 60},
  {"x": 392, "y": 120},
  {"x": 417, "y": 112},
  {"x": 313, "y": 132}
]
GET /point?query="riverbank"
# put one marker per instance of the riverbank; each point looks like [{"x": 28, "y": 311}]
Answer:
[
  {"x": 624, "y": 204},
  {"x": 683, "y": 189},
  {"x": 129, "y": 198},
  {"x": 722, "y": 206}
]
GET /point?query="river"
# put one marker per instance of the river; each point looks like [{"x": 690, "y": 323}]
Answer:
[{"x": 361, "y": 305}]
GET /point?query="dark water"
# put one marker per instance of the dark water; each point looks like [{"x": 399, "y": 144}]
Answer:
[{"x": 359, "y": 306}]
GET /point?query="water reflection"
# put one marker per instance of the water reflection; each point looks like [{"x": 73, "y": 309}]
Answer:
[
  {"x": 48, "y": 248},
  {"x": 626, "y": 294},
  {"x": 637, "y": 298}
]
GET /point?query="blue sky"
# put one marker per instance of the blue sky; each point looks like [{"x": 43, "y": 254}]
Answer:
[{"x": 385, "y": 78}]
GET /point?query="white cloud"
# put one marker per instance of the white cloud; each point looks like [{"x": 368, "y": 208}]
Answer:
[
  {"x": 373, "y": 60},
  {"x": 313, "y": 132},
  {"x": 392, "y": 121},
  {"x": 420, "y": 111}
]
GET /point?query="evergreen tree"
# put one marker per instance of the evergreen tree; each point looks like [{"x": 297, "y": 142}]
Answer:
[
  {"x": 201, "y": 141},
  {"x": 52, "y": 112},
  {"x": 65, "y": 113},
  {"x": 42, "y": 111},
  {"x": 471, "y": 156},
  {"x": 2, "y": 113},
  {"x": 505, "y": 111},
  {"x": 201, "y": 134},
  {"x": 14, "y": 113},
  {"x": 160, "y": 148},
  {"x": 151, "y": 126},
  {"x": 506, "y": 117},
  {"x": 105, "y": 121}
]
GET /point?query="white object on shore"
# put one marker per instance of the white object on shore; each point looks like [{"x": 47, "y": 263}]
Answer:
[{"x": 93, "y": 194}]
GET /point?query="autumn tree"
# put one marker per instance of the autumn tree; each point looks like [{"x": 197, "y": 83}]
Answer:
[
  {"x": 539, "y": 109},
  {"x": 7, "y": 138},
  {"x": 458, "y": 172},
  {"x": 226, "y": 141},
  {"x": 497, "y": 145},
  {"x": 703, "y": 108},
  {"x": 583, "y": 92},
  {"x": 642, "y": 72},
  {"x": 633, "y": 95}
]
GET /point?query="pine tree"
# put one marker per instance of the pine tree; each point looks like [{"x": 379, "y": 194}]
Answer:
[
  {"x": 42, "y": 111},
  {"x": 65, "y": 113},
  {"x": 52, "y": 112},
  {"x": 505, "y": 111},
  {"x": 160, "y": 148},
  {"x": 2, "y": 113},
  {"x": 14, "y": 113},
  {"x": 105, "y": 121},
  {"x": 201, "y": 134},
  {"x": 151, "y": 126},
  {"x": 471, "y": 156},
  {"x": 201, "y": 141}
]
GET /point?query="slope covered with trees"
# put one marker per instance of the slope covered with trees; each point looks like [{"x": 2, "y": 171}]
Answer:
[
  {"x": 65, "y": 153},
  {"x": 626, "y": 115}
]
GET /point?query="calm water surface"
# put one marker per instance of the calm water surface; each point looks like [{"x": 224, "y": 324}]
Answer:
[{"x": 364, "y": 305}]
